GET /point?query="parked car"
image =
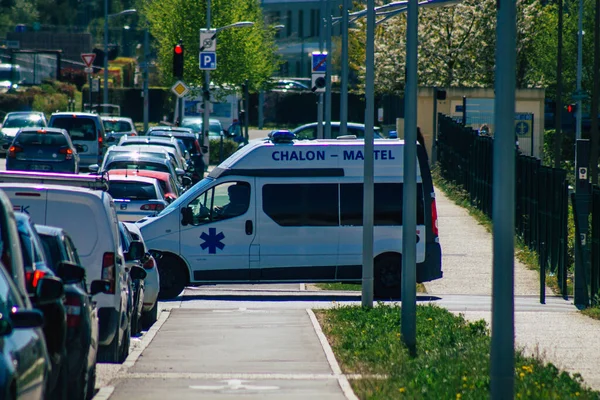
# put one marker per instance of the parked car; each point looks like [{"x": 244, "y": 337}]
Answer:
[
  {"x": 134, "y": 254},
  {"x": 136, "y": 151},
  {"x": 309, "y": 131},
  {"x": 43, "y": 149},
  {"x": 13, "y": 121},
  {"x": 136, "y": 197},
  {"x": 97, "y": 242},
  {"x": 82, "y": 314},
  {"x": 24, "y": 360},
  {"x": 289, "y": 85},
  {"x": 215, "y": 128},
  {"x": 117, "y": 127},
  {"x": 192, "y": 144},
  {"x": 55, "y": 313},
  {"x": 167, "y": 183},
  {"x": 151, "y": 282},
  {"x": 146, "y": 162},
  {"x": 85, "y": 129}
]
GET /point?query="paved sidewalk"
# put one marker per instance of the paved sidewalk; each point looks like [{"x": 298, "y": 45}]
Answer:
[{"x": 568, "y": 339}]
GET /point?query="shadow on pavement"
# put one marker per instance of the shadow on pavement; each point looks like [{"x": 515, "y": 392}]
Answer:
[{"x": 308, "y": 297}]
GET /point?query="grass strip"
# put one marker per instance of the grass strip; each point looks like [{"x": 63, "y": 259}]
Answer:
[
  {"x": 355, "y": 287},
  {"x": 452, "y": 359}
]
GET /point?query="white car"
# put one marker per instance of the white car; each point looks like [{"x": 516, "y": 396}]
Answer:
[
  {"x": 135, "y": 196},
  {"x": 151, "y": 282}
]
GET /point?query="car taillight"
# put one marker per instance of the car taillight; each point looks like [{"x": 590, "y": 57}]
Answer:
[
  {"x": 152, "y": 207},
  {"x": 434, "y": 217},
  {"x": 13, "y": 150},
  {"x": 67, "y": 152},
  {"x": 100, "y": 143},
  {"x": 150, "y": 263},
  {"x": 73, "y": 309},
  {"x": 108, "y": 270},
  {"x": 33, "y": 278}
]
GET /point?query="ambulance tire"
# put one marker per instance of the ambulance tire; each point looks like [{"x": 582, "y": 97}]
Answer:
[
  {"x": 388, "y": 276},
  {"x": 173, "y": 277}
]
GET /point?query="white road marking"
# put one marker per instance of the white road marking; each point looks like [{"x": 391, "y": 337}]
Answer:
[
  {"x": 243, "y": 376},
  {"x": 342, "y": 379},
  {"x": 234, "y": 384},
  {"x": 145, "y": 342},
  {"x": 302, "y": 286},
  {"x": 104, "y": 393}
]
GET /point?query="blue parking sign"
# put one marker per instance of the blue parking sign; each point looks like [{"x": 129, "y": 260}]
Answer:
[
  {"x": 208, "y": 60},
  {"x": 319, "y": 62}
]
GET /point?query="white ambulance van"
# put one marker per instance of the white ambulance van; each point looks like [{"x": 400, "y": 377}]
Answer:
[
  {"x": 90, "y": 218},
  {"x": 284, "y": 210}
]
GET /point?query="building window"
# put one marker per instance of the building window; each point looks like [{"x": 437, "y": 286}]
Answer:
[
  {"x": 288, "y": 23},
  {"x": 302, "y": 204},
  {"x": 301, "y": 23},
  {"x": 315, "y": 23}
]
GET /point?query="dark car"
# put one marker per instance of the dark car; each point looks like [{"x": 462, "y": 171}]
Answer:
[
  {"x": 86, "y": 130},
  {"x": 134, "y": 262},
  {"x": 82, "y": 315},
  {"x": 14, "y": 121},
  {"x": 192, "y": 145},
  {"x": 24, "y": 359},
  {"x": 43, "y": 149},
  {"x": 55, "y": 313},
  {"x": 309, "y": 131}
]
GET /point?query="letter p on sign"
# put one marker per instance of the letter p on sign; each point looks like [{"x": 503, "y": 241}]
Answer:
[{"x": 208, "y": 60}]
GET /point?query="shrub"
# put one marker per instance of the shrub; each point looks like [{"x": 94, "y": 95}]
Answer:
[
  {"x": 49, "y": 103},
  {"x": 229, "y": 147}
]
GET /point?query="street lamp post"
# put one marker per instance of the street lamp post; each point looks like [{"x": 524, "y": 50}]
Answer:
[{"x": 106, "y": 17}]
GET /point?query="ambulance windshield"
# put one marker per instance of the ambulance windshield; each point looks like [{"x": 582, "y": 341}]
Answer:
[{"x": 187, "y": 196}]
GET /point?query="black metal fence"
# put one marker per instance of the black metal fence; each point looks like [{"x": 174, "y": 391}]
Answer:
[{"x": 542, "y": 197}]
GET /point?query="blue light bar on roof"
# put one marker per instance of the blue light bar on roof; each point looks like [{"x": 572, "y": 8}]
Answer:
[{"x": 282, "y": 136}]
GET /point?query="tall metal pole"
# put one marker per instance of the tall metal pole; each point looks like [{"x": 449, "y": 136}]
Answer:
[
  {"x": 328, "y": 69},
  {"x": 369, "y": 162},
  {"x": 558, "y": 110},
  {"x": 579, "y": 63},
  {"x": 105, "y": 97},
  {"x": 344, "y": 78},
  {"x": 503, "y": 206},
  {"x": 146, "y": 94},
  {"x": 596, "y": 92},
  {"x": 409, "y": 196},
  {"x": 435, "y": 128},
  {"x": 320, "y": 100},
  {"x": 206, "y": 90}
]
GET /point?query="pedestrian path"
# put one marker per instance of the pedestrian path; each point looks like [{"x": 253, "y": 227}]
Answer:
[{"x": 568, "y": 339}]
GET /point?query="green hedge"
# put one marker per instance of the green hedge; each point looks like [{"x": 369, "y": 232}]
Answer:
[{"x": 229, "y": 147}]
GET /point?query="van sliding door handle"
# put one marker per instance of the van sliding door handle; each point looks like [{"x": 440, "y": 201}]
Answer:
[{"x": 249, "y": 227}]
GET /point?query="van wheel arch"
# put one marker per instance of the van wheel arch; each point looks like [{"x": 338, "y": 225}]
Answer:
[
  {"x": 387, "y": 273},
  {"x": 174, "y": 274}
]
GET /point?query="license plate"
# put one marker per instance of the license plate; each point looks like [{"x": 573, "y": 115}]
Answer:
[{"x": 40, "y": 167}]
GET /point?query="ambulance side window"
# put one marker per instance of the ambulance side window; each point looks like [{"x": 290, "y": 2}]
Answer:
[{"x": 224, "y": 201}]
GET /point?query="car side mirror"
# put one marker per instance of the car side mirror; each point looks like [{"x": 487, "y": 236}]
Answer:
[
  {"x": 138, "y": 273},
  {"x": 179, "y": 172},
  {"x": 70, "y": 272},
  {"x": 49, "y": 289},
  {"x": 186, "y": 181},
  {"x": 94, "y": 168},
  {"x": 26, "y": 319},
  {"x": 99, "y": 286},
  {"x": 187, "y": 216},
  {"x": 136, "y": 251}
]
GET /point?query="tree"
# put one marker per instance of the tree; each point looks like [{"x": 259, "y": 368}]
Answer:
[{"x": 244, "y": 53}]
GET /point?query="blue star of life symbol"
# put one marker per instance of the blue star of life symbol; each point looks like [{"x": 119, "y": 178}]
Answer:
[{"x": 212, "y": 241}]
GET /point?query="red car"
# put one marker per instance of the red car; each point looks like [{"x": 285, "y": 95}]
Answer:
[{"x": 168, "y": 184}]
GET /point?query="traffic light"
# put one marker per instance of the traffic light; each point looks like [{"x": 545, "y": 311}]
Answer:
[
  {"x": 178, "y": 61},
  {"x": 572, "y": 108}
]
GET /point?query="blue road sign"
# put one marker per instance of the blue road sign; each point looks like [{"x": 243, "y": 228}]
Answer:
[
  {"x": 208, "y": 60},
  {"x": 522, "y": 128},
  {"x": 319, "y": 62}
]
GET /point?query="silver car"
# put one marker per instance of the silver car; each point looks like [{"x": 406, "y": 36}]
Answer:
[{"x": 135, "y": 196}]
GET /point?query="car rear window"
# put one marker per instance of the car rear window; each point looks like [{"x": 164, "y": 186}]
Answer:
[
  {"x": 41, "y": 139},
  {"x": 132, "y": 190},
  {"x": 138, "y": 165},
  {"x": 117, "y": 126},
  {"x": 53, "y": 250},
  {"x": 79, "y": 128},
  {"x": 23, "y": 122}
]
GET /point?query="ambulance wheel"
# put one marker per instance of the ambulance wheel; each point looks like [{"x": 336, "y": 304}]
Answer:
[
  {"x": 388, "y": 276},
  {"x": 173, "y": 277}
]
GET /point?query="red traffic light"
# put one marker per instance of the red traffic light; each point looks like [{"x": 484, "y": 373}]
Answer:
[
  {"x": 571, "y": 108},
  {"x": 178, "y": 49}
]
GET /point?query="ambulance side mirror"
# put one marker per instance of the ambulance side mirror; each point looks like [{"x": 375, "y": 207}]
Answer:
[{"x": 187, "y": 216}]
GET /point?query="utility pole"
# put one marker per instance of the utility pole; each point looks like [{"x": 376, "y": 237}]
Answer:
[
  {"x": 579, "y": 66},
  {"x": 344, "y": 77},
  {"x": 206, "y": 90},
  {"x": 328, "y": 20},
  {"x": 145, "y": 88},
  {"x": 558, "y": 111},
  {"x": 595, "y": 94}
]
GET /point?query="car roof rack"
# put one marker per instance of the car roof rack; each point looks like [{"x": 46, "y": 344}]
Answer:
[{"x": 96, "y": 182}]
